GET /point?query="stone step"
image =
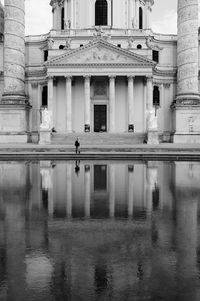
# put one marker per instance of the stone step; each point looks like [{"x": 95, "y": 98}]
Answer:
[{"x": 99, "y": 138}]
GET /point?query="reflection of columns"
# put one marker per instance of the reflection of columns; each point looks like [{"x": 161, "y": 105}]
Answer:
[
  {"x": 130, "y": 191},
  {"x": 130, "y": 103},
  {"x": 87, "y": 190},
  {"x": 87, "y": 103},
  {"x": 69, "y": 103},
  {"x": 112, "y": 190},
  {"x": 46, "y": 172},
  {"x": 69, "y": 190},
  {"x": 112, "y": 103}
]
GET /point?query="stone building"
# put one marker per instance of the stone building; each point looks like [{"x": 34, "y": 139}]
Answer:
[{"x": 101, "y": 68}]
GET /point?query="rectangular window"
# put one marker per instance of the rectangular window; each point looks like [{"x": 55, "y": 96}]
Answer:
[
  {"x": 155, "y": 56},
  {"x": 46, "y": 55}
]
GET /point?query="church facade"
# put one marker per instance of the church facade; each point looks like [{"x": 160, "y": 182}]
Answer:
[{"x": 100, "y": 69}]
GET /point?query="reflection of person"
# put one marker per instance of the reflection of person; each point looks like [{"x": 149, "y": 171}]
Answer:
[
  {"x": 77, "y": 145},
  {"x": 77, "y": 168}
]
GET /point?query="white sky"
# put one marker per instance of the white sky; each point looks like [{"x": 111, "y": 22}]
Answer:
[{"x": 39, "y": 19}]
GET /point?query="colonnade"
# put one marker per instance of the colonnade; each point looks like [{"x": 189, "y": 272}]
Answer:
[{"x": 148, "y": 101}]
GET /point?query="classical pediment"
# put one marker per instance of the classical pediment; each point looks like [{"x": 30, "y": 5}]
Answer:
[{"x": 100, "y": 53}]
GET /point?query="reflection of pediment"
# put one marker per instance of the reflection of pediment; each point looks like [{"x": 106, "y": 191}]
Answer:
[{"x": 100, "y": 52}]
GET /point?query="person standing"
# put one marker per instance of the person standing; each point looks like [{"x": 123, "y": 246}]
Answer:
[{"x": 77, "y": 146}]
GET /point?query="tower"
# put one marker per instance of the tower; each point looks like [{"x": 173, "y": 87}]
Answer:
[
  {"x": 14, "y": 105},
  {"x": 187, "y": 103}
]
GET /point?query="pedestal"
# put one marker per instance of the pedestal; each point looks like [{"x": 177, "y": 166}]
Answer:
[
  {"x": 186, "y": 119},
  {"x": 45, "y": 137},
  {"x": 14, "y": 123},
  {"x": 152, "y": 137}
]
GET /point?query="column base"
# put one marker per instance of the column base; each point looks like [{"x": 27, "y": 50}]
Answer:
[
  {"x": 152, "y": 137},
  {"x": 186, "y": 122},
  {"x": 186, "y": 138},
  {"x": 35, "y": 137},
  {"x": 14, "y": 122},
  {"x": 45, "y": 137}
]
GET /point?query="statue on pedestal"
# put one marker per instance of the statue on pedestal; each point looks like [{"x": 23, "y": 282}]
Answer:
[
  {"x": 46, "y": 120},
  {"x": 152, "y": 120}
]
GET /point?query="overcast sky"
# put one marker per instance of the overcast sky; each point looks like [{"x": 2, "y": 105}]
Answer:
[{"x": 39, "y": 19}]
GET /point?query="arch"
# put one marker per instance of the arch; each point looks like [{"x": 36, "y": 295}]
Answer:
[
  {"x": 140, "y": 18},
  {"x": 62, "y": 18},
  {"x": 156, "y": 96},
  {"x": 101, "y": 12}
]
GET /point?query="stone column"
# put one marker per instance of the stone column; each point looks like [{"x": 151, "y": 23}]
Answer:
[
  {"x": 72, "y": 14},
  {"x": 14, "y": 51},
  {"x": 87, "y": 103},
  {"x": 152, "y": 122},
  {"x": 50, "y": 93},
  {"x": 130, "y": 103},
  {"x": 187, "y": 103},
  {"x": 14, "y": 115},
  {"x": 112, "y": 103},
  {"x": 69, "y": 103},
  {"x": 136, "y": 13},
  {"x": 66, "y": 13}
]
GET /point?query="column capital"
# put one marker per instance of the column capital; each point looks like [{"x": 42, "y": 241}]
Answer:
[
  {"x": 149, "y": 78},
  {"x": 68, "y": 76},
  {"x": 131, "y": 77},
  {"x": 87, "y": 76},
  {"x": 49, "y": 77},
  {"x": 112, "y": 77}
]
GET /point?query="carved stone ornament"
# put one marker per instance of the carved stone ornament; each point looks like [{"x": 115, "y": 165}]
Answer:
[
  {"x": 100, "y": 34},
  {"x": 50, "y": 43},
  {"x": 150, "y": 44},
  {"x": 152, "y": 120}
]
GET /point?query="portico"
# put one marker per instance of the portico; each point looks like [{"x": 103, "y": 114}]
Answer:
[{"x": 98, "y": 85}]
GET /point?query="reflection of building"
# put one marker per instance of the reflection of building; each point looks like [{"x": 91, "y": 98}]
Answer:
[
  {"x": 99, "y": 238},
  {"x": 100, "y": 69}
]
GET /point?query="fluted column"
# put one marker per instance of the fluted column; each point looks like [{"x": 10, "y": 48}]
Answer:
[
  {"x": 87, "y": 103},
  {"x": 187, "y": 51},
  {"x": 112, "y": 103},
  {"x": 130, "y": 103},
  {"x": 14, "y": 50},
  {"x": 69, "y": 103}
]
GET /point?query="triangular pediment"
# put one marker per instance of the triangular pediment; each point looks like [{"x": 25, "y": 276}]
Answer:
[{"x": 100, "y": 53}]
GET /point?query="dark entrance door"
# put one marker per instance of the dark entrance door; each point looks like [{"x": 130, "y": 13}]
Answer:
[{"x": 100, "y": 118}]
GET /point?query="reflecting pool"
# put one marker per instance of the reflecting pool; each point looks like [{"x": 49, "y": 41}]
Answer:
[{"x": 99, "y": 230}]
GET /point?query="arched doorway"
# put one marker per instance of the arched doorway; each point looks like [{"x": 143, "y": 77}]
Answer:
[{"x": 101, "y": 13}]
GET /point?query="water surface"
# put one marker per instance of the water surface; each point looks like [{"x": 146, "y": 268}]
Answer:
[{"x": 96, "y": 230}]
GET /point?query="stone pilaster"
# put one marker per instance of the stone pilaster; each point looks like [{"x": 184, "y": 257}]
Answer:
[
  {"x": 14, "y": 108},
  {"x": 187, "y": 103}
]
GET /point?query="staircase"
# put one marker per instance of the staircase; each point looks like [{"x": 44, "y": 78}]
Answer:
[{"x": 98, "y": 139}]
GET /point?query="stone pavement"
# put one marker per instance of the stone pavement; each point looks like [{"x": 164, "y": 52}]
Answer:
[{"x": 139, "y": 151}]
